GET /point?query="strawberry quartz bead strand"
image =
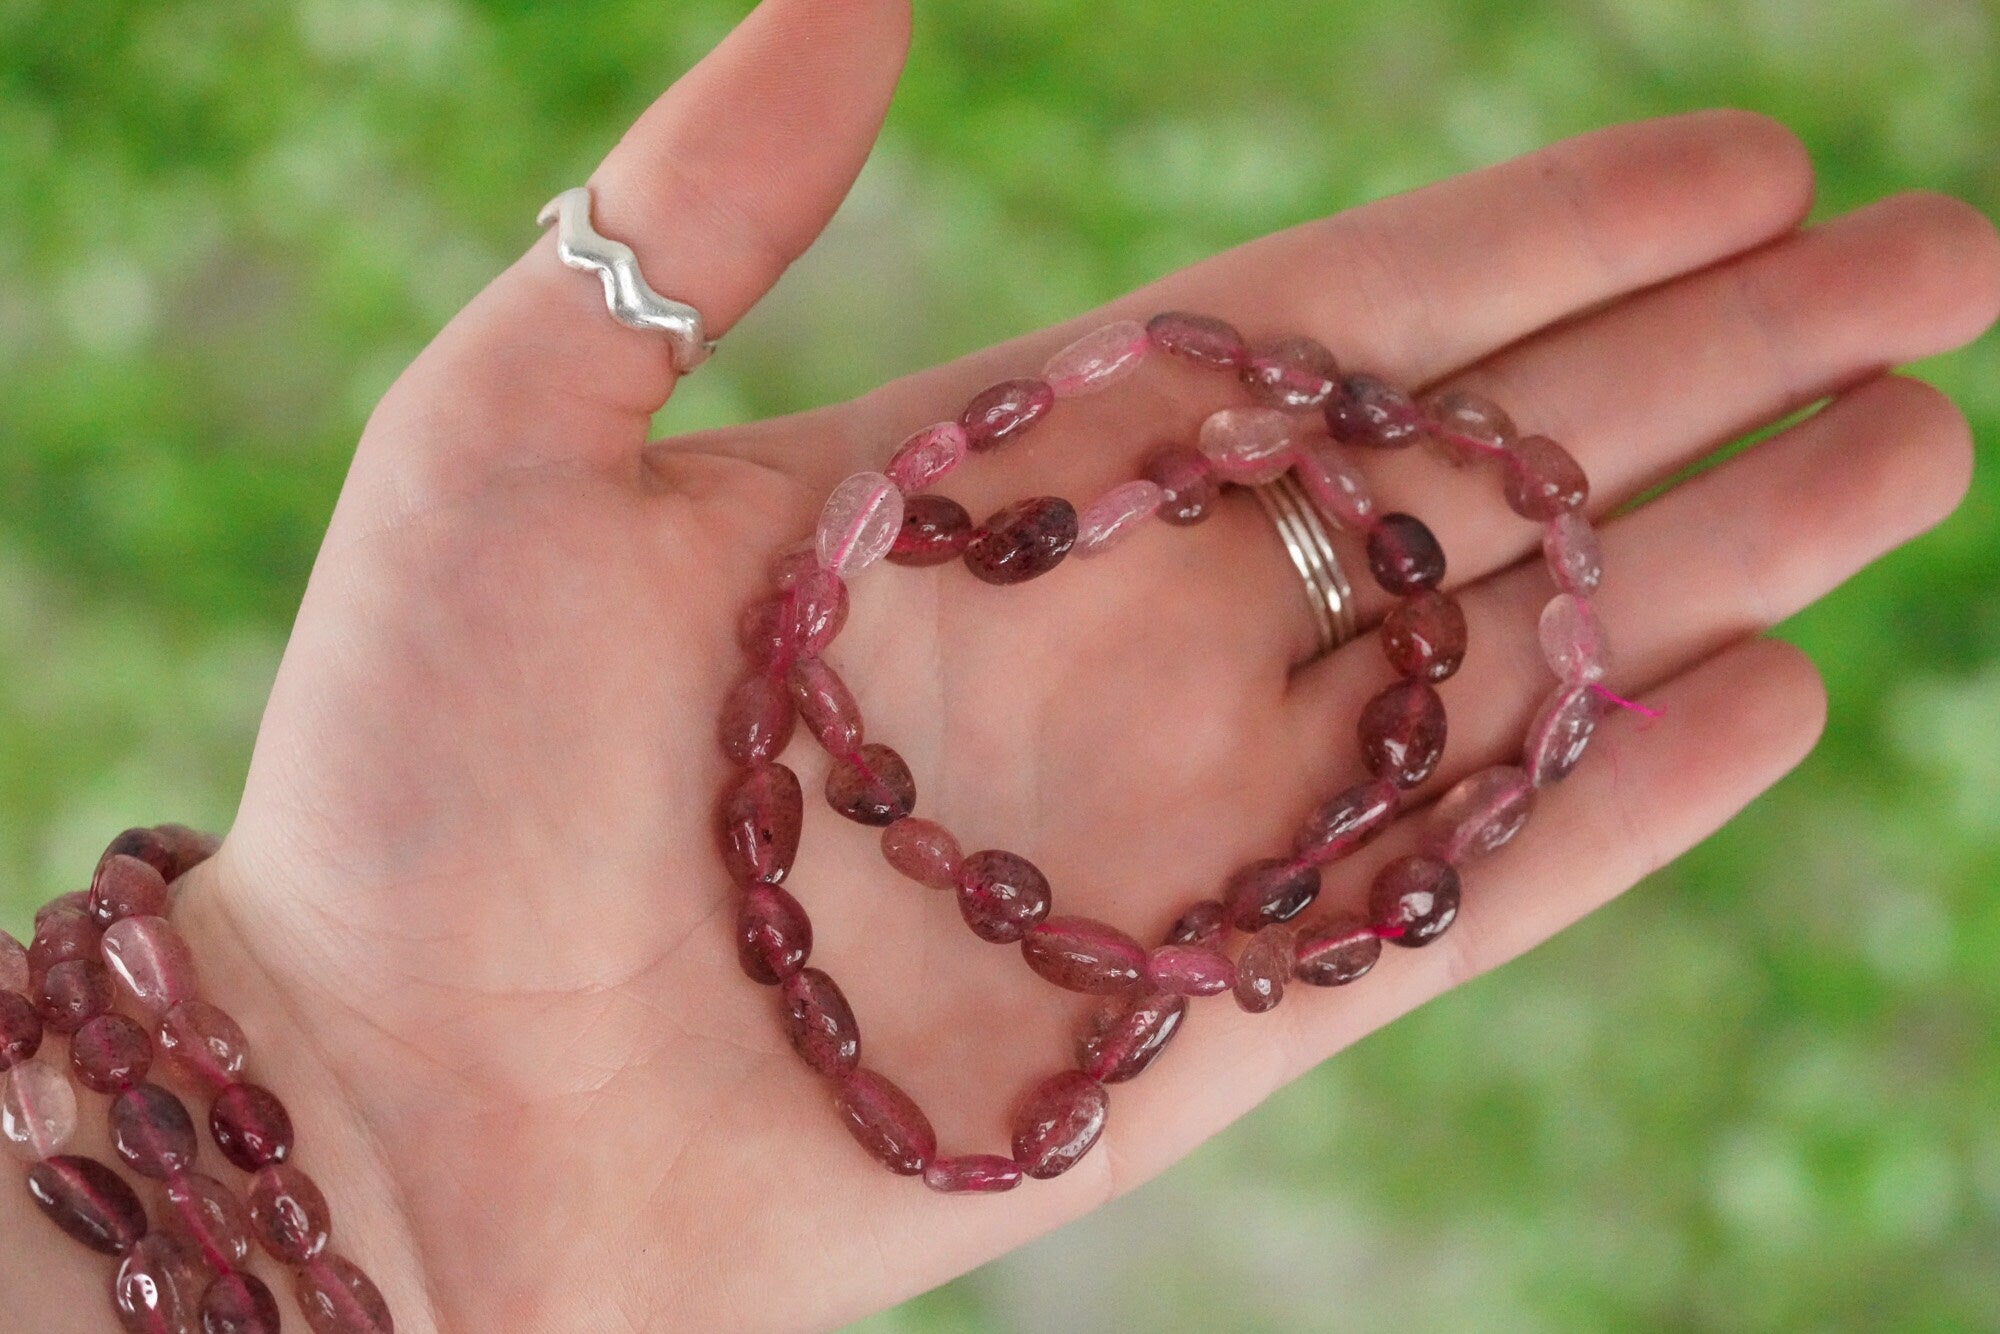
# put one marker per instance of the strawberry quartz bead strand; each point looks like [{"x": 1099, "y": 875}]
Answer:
[
  {"x": 1004, "y": 412},
  {"x": 1058, "y": 1122},
  {"x": 1098, "y": 359},
  {"x": 1115, "y": 515},
  {"x": 858, "y": 524}
]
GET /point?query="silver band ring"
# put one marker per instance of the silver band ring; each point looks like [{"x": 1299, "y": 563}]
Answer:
[
  {"x": 632, "y": 301},
  {"x": 1304, "y": 534}
]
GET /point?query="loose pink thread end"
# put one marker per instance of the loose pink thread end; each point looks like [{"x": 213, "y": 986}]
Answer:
[{"x": 1650, "y": 714}]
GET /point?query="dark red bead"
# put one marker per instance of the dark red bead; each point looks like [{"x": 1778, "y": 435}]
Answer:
[
  {"x": 972, "y": 1173},
  {"x": 762, "y": 811},
  {"x": 123, "y": 887},
  {"x": 238, "y": 1303},
  {"x": 1294, "y": 374},
  {"x": 152, "y": 1131},
  {"x": 1334, "y": 950},
  {"x": 1027, "y": 538},
  {"x": 1543, "y": 480},
  {"x": 20, "y": 1028},
  {"x": 188, "y": 848},
  {"x": 773, "y": 934},
  {"x": 110, "y": 1053},
  {"x": 1001, "y": 895},
  {"x": 1126, "y": 1034},
  {"x": 1202, "y": 339},
  {"x": 89, "y": 1201},
  {"x": 153, "y": 846},
  {"x": 1206, "y": 922},
  {"x": 1058, "y": 1122},
  {"x": 757, "y": 719},
  {"x": 820, "y": 1023},
  {"x": 1374, "y": 414},
  {"x": 1348, "y": 820},
  {"x": 1084, "y": 954},
  {"x": 871, "y": 787},
  {"x": 1273, "y": 889},
  {"x": 250, "y": 1126},
  {"x": 289, "y": 1213},
  {"x": 887, "y": 1122},
  {"x": 1414, "y": 899},
  {"x": 74, "y": 993},
  {"x": 1402, "y": 732},
  {"x": 1262, "y": 967},
  {"x": 338, "y": 1298},
  {"x": 1188, "y": 485},
  {"x": 935, "y": 529},
  {"x": 1424, "y": 637},
  {"x": 1404, "y": 556},
  {"x": 997, "y": 415}
]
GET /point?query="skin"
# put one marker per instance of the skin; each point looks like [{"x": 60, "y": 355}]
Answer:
[{"x": 471, "y": 911}]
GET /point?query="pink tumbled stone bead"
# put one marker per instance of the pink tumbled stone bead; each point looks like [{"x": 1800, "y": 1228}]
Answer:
[
  {"x": 886, "y": 1122},
  {"x": 1125, "y": 1034},
  {"x": 1084, "y": 954},
  {"x": 1113, "y": 516},
  {"x": 826, "y": 706},
  {"x": 1573, "y": 640},
  {"x": 1271, "y": 889},
  {"x": 336, "y": 1297},
  {"x": 1205, "y": 922},
  {"x": 1559, "y": 733},
  {"x": 1480, "y": 814},
  {"x": 205, "y": 1216},
  {"x": 13, "y": 964},
  {"x": 820, "y": 1023},
  {"x": 125, "y": 886},
  {"x": 21, "y": 1028},
  {"x": 1249, "y": 446},
  {"x": 1057, "y": 1123},
  {"x": 288, "y": 1213},
  {"x": 923, "y": 850},
  {"x": 37, "y": 1110},
  {"x": 152, "y": 1131},
  {"x": 1188, "y": 485},
  {"x": 1468, "y": 427},
  {"x": 1099, "y": 358},
  {"x": 757, "y": 719},
  {"x": 926, "y": 456},
  {"x": 239, "y": 1302},
  {"x": 1001, "y": 895},
  {"x": 762, "y": 811},
  {"x": 1295, "y": 374},
  {"x": 151, "y": 963},
  {"x": 1262, "y": 967},
  {"x": 202, "y": 1040},
  {"x": 1348, "y": 820},
  {"x": 859, "y": 523},
  {"x": 1337, "y": 488},
  {"x": 1008, "y": 409},
  {"x": 1543, "y": 479},
  {"x": 1190, "y": 970},
  {"x": 773, "y": 934},
  {"x": 1575, "y": 557},
  {"x": 1334, "y": 950},
  {"x": 972, "y": 1173},
  {"x": 1202, "y": 339},
  {"x": 158, "y": 1287}
]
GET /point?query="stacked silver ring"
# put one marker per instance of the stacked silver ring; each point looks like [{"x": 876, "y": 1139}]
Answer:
[{"x": 1310, "y": 546}]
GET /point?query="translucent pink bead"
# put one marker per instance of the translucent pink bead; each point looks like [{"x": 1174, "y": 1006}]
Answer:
[
  {"x": 793, "y": 563},
  {"x": 972, "y": 1173},
  {"x": 1125, "y": 1034},
  {"x": 1480, "y": 814},
  {"x": 13, "y": 964},
  {"x": 1273, "y": 889},
  {"x": 1188, "y": 485},
  {"x": 1348, "y": 820},
  {"x": 110, "y": 1053},
  {"x": 1008, "y": 409},
  {"x": 820, "y": 1022},
  {"x": 250, "y": 1126},
  {"x": 1573, "y": 640},
  {"x": 1413, "y": 900},
  {"x": 1575, "y": 557},
  {"x": 202, "y": 1040},
  {"x": 1084, "y": 954},
  {"x": 815, "y": 610},
  {"x": 152, "y": 1132},
  {"x": 1337, "y": 489},
  {"x": 1190, "y": 970},
  {"x": 153, "y": 846},
  {"x": 873, "y": 786},
  {"x": 88, "y": 1201},
  {"x": 1022, "y": 541},
  {"x": 1468, "y": 426},
  {"x": 239, "y": 1302},
  {"x": 74, "y": 993},
  {"x": 1561, "y": 730},
  {"x": 923, "y": 850},
  {"x": 1294, "y": 374},
  {"x": 151, "y": 963},
  {"x": 1249, "y": 446},
  {"x": 773, "y": 934},
  {"x": 1404, "y": 555},
  {"x": 1099, "y": 358},
  {"x": 1402, "y": 732},
  {"x": 37, "y": 1110},
  {"x": 757, "y": 719},
  {"x": 1202, "y": 339},
  {"x": 1334, "y": 950},
  {"x": 158, "y": 1287},
  {"x": 187, "y": 848},
  {"x": 935, "y": 529},
  {"x": 124, "y": 886},
  {"x": 76, "y": 901},
  {"x": 886, "y": 1122},
  {"x": 288, "y": 1213},
  {"x": 62, "y": 935},
  {"x": 1058, "y": 1122},
  {"x": 205, "y": 1216},
  {"x": 1543, "y": 480},
  {"x": 1372, "y": 414},
  {"x": 20, "y": 1028},
  {"x": 1115, "y": 515},
  {"x": 926, "y": 456},
  {"x": 859, "y": 523},
  {"x": 1001, "y": 895},
  {"x": 762, "y": 812},
  {"x": 1262, "y": 967},
  {"x": 1206, "y": 922},
  {"x": 1424, "y": 637},
  {"x": 826, "y": 705},
  {"x": 336, "y": 1297}
]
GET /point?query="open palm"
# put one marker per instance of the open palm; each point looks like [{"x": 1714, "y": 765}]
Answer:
[{"x": 472, "y": 912}]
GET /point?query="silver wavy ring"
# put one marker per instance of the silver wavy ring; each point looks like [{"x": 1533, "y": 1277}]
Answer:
[
  {"x": 632, "y": 301},
  {"x": 1307, "y": 542}
]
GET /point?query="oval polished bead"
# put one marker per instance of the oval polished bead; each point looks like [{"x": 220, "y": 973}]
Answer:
[
  {"x": 1116, "y": 515},
  {"x": 762, "y": 812},
  {"x": 1101, "y": 357},
  {"x": 1206, "y": 922},
  {"x": 186, "y": 848},
  {"x": 336, "y": 1297},
  {"x": 1480, "y": 814},
  {"x": 157, "y": 1287},
  {"x": 1334, "y": 950},
  {"x": 201, "y": 1039},
  {"x": 820, "y": 1023},
  {"x": 150, "y": 845},
  {"x": 761, "y": 631},
  {"x": 1424, "y": 637},
  {"x": 124, "y": 886},
  {"x": 1574, "y": 555},
  {"x": 207, "y": 1219},
  {"x": 923, "y": 850},
  {"x": 858, "y": 524},
  {"x": 1272, "y": 889},
  {"x": 825, "y": 705},
  {"x": 1337, "y": 488},
  {"x": 74, "y": 993},
  {"x": 62, "y": 935},
  {"x": 815, "y": 611},
  {"x": 1560, "y": 732},
  {"x": 1404, "y": 555},
  {"x": 1189, "y": 488},
  {"x": 152, "y": 1131},
  {"x": 288, "y": 1213},
  {"x": 1026, "y": 539},
  {"x": 1413, "y": 900},
  {"x": 926, "y": 456},
  {"x": 1349, "y": 819},
  {"x": 1543, "y": 479},
  {"x": 1001, "y": 895},
  {"x": 757, "y": 719},
  {"x": 238, "y": 1302},
  {"x": 1573, "y": 640},
  {"x": 1058, "y": 1122},
  {"x": 886, "y": 1122},
  {"x": 1262, "y": 967},
  {"x": 1402, "y": 733},
  {"x": 1373, "y": 414},
  {"x": 1467, "y": 427},
  {"x": 1005, "y": 411},
  {"x": 1248, "y": 446},
  {"x": 1084, "y": 954},
  {"x": 972, "y": 1173},
  {"x": 14, "y": 970},
  {"x": 250, "y": 1126},
  {"x": 1190, "y": 970},
  {"x": 110, "y": 1053},
  {"x": 773, "y": 934},
  {"x": 872, "y": 787},
  {"x": 37, "y": 1110},
  {"x": 20, "y": 1029},
  {"x": 793, "y": 563},
  {"x": 1202, "y": 339},
  {"x": 1295, "y": 374},
  {"x": 77, "y": 900},
  {"x": 935, "y": 529},
  {"x": 89, "y": 1201},
  {"x": 1125, "y": 1034},
  {"x": 152, "y": 963}
]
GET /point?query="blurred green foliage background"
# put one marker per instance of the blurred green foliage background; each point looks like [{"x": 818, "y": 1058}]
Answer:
[{"x": 1758, "y": 1093}]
